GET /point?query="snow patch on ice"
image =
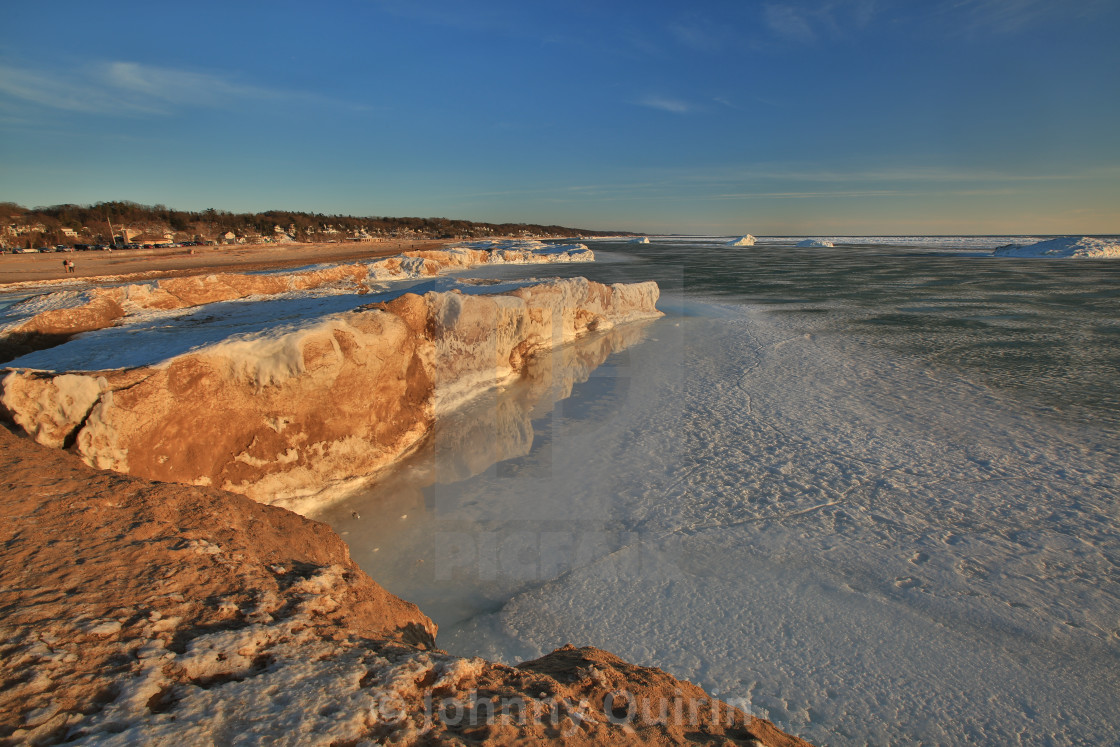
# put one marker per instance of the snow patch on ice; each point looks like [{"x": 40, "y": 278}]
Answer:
[
  {"x": 815, "y": 243},
  {"x": 270, "y": 359},
  {"x": 151, "y": 337},
  {"x": 16, "y": 313},
  {"x": 49, "y": 409}
]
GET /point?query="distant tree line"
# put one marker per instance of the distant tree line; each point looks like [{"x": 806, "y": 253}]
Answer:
[{"x": 91, "y": 223}]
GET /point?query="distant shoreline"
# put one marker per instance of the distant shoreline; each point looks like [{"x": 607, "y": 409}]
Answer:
[{"x": 16, "y": 269}]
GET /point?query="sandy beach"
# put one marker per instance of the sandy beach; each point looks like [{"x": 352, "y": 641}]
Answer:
[{"x": 171, "y": 262}]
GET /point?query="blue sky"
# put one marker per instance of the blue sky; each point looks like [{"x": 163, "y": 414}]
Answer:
[{"x": 797, "y": 117}]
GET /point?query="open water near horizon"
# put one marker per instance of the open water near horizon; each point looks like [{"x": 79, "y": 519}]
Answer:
[{"x": 868, "y": 492}]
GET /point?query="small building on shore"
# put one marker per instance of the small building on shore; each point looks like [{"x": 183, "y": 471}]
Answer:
[{"x": 152, "y": 239}]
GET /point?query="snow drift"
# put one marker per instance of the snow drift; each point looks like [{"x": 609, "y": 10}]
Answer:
[{"x": 1067, "y": 246}]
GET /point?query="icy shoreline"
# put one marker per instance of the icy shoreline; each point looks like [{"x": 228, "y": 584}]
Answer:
[
  {"x": 293, "y": 412},
  {"x": 63, "y": 313}
]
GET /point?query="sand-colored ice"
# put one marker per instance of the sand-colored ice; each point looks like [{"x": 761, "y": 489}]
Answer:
[{"x": 286, "y": 414}]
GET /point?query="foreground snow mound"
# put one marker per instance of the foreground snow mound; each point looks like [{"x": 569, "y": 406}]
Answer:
[
  {"x": 815, "y": 243},
  {"x": 285, "y": 413},
  {"x": 747, "y": 240},
  {"x": 1066, "y": 246}
]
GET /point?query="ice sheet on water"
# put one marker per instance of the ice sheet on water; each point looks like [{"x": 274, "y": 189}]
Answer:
[
  {"x": 934, "y": 242},
  {"x": 863, "y": 559},
  {"x": 953, "y": 243}
]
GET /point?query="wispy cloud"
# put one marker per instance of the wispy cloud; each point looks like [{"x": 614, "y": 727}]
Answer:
[
  {"x": 694, "y": 35},
  {"x": 806, "y": 22},
  {"x": 790, "y": 22},
  {"x": 131, "y": 88},
  {"x": 710, "y": 32},
  {"x": 1007, "y": 16},
  {"x": 665, "y": 104},
  {"x": 804, "y": 195}
]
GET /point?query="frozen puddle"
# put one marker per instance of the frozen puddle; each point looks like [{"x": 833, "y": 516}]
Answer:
[{"x": 860, "y": 549}]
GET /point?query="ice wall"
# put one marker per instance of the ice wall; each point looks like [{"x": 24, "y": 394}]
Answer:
[
  {"x": 284, "y": 414},
  {"x": 70, "y": 312}
]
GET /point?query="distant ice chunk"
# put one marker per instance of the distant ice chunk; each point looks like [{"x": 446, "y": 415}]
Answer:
[
  {"x": 1065, "y": 246},
  {"x": 640, "y": 240},
  {"x": 816, "y": 243},
  {"x": 747, "y": 240}
]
